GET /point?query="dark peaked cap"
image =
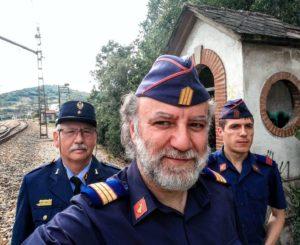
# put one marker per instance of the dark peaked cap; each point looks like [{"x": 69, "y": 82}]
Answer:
[
  {"x": 235, "y": 109},
  {"x": 77, "y": 111},
  {"x": 173, "y": 80}
]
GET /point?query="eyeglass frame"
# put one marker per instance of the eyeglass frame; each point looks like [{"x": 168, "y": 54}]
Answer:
[{"x": 76, "y": 131}]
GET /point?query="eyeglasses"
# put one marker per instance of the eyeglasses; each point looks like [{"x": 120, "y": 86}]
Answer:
[{"x": 73, "y": 132}]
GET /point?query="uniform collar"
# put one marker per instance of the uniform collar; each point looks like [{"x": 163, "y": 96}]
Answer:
[
  {"x": 249, "y": 164},
  {"x": 143, "y": 202},
  {"x": 82, "y": 175}
]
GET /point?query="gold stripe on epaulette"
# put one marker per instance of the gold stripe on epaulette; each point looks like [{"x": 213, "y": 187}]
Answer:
[
  {"x": 105, "y": 192},
  {"x": 100, "y": 193},
  {"x": 110, "y": 190}
]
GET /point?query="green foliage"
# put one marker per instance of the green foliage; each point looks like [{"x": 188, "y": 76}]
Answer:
[
  {"x": 115, "y": 73},
  {"x": 294, "y": 196}
]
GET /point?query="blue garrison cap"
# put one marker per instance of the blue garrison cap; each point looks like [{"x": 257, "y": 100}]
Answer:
[
  {"x": 235, "y": 109},
  {"x": 77, "y": 111},
  {"x": 173, "y": 80}
]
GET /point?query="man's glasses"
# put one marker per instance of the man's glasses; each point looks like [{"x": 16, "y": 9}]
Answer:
[{"x": 73, "y": 132}]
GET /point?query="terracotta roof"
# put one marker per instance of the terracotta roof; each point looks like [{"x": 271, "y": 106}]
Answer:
[{"x": 250, "y": 26}]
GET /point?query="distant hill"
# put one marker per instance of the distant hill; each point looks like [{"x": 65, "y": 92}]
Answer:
[{"x": 25, "y": 101}]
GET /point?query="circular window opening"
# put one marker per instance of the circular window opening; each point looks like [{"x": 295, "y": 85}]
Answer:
[{"x": 280, "y": 104}]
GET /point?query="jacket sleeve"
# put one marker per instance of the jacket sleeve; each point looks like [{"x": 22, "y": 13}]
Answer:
[
  {"x": 23, "y": 225},
  {"x": 71, "y": 226}
]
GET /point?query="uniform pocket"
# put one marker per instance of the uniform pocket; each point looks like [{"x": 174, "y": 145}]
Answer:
[{"x": 41, "y": 215}]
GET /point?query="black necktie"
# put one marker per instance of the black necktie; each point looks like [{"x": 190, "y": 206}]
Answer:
[{"x": 77, "y": 182}]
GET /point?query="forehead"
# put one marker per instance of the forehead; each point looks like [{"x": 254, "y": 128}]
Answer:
[
  {"x": 71, "y": 124},
  {"x": 148, "y": 107},
  {"x": 240, "y": 121}
]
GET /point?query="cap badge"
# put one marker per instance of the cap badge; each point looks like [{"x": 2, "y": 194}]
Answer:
[
  {"x": 236, "y": 113},
  {"x": 79, "y": 106},
  {"x": 140, "y": 208},
  {"x": 223, "y": 167},
  {"x": 186, "y": 96}
]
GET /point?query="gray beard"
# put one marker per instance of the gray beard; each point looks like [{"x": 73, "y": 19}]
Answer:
[{"x": 169, "y": 177}]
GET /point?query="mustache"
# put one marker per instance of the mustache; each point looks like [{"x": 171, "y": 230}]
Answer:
[
  {"x": 173, "y": 153},
  {"x": 78, "y": 147}
]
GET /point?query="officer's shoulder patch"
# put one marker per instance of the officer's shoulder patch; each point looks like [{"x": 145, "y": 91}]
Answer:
[
  {"x": 264, "y": 160},
  {"x": 214, "y": 175},
  {"x": 102, "y": 193}
]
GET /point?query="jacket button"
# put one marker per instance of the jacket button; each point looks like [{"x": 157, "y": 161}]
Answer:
[{"x": 45, "y": 217}]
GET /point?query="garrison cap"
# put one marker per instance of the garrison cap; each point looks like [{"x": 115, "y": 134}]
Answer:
[
  {"x": 173, "y": 80},
  {"x": 235, "y": 109},
  {"x": 77, "y": 111}
]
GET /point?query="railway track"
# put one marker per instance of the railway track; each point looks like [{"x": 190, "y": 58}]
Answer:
[{"x": 9, "y": 129}]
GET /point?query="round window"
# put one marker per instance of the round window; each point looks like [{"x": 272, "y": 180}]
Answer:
[{"x": 280, "y": 104}]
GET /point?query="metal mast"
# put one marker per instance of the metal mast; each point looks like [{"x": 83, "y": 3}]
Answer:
[{"x": 41, "y": 89}]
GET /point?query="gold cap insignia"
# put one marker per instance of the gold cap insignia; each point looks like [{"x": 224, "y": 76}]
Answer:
[
  {"x": 80, "y": 105},
  {"x": 44, "y": 202},
  {"x": 186, "y": 96}
]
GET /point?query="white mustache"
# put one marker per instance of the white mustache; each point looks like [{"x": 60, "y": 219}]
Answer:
[{"x": 78, "y": 147}]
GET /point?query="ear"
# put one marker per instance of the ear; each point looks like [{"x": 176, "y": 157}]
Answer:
[
  {"x": 56, "y": 138},
  {"x": 220, "y": 132},
  {"x": 132, "y": 131}
]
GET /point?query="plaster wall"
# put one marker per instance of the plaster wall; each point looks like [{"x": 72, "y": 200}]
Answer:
[
  {"x": 228, "y": 48},
  {"x": 260, "y": 62}
]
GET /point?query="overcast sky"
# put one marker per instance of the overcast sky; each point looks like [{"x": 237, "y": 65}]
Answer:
[{"x": 72, "y": 31}]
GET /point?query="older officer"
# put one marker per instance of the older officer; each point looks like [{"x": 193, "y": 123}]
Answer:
[
  {"x": 255, "y": 178},
  {"x": 160, "y": 198},
  {"x": 49, "y": 188}
]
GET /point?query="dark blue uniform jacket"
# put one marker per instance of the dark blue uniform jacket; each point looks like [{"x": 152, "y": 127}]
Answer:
[
  {"x": 46, "y": 191},
  {"x": 256, "y": 187},
  {"x": 139, "y": 218}
]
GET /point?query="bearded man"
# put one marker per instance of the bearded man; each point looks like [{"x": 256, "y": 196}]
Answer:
[{"x": 160, "y": 198}]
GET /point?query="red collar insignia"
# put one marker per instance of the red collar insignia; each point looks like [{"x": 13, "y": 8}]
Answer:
[
  {"x": 140, "y": 208},
  {"x": 269, "y": 160}
]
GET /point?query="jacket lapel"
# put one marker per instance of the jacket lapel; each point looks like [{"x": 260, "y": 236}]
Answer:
[
  {"x": 95, "y": 173},
  {"x": 59, "y": 183}
]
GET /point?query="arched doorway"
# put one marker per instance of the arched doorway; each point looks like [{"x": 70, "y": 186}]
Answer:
[
  {"x": 207, "y": 79},
  {"x": 213, "y": 76}
]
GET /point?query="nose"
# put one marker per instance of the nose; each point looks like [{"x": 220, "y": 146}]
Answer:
[
  {"x": 243, "y": 131},
  {"x": 79, "y": 138},
  {"x": 181, "y": 139}
]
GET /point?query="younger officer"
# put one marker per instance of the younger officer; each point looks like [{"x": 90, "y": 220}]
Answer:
[
  {"x": 160, "y": 198},
  {"x": 48, "y": 189},
  {"x": 255, "y": 179}
]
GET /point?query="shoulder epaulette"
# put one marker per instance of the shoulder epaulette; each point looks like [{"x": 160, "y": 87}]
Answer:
[
  {"x": 264, "y": 159},
  {"x": 40, "y": 167},
  {"x": 214, "y": 175},
  {"x": 111, "y": 165},
  {"x": 102, "y": 193}
]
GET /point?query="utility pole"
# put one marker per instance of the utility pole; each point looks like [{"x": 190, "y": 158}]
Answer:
[
  {"x": 63, "y": 94},
  {"x": 41, "y": 89}
]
